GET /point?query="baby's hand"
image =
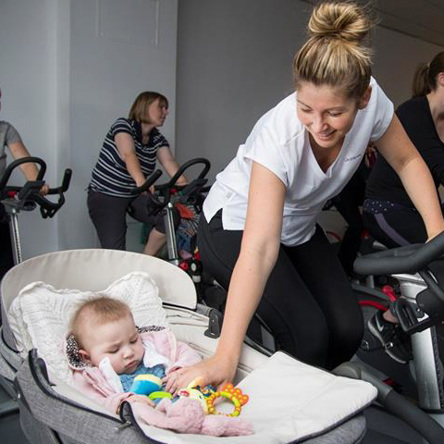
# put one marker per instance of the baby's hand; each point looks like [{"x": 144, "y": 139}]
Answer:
[
  {"x": 170, "y": 381},
  {"x": 140, "y": 398}
]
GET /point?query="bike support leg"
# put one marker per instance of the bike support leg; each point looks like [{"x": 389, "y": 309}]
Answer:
[
  {"x": 170, "y": 233},
  {"x": 15, "y": 237}
]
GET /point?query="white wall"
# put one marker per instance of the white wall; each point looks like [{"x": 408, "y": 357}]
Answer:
[
  {"x": 117, "y": 50},
  {"x": 234, "y": 63},
  {"x": 27, "y": 76},
  {"x": 69, "y": 67}
]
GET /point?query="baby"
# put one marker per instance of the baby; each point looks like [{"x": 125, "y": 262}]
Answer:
[{"x": 106, "y": 351}]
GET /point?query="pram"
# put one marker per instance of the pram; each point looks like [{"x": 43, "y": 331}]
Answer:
[{"x": 289, "y": 401}]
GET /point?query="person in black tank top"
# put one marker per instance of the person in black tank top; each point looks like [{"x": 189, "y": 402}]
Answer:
[{"x": 389, "y": 214}]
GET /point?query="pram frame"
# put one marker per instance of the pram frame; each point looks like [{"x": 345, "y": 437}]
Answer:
[{"x": 33, "y": 388}]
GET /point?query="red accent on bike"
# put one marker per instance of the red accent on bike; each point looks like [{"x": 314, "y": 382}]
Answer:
[
  {"x": 11, "y": 194},
  {"x": 373, "y": 304},
  {"x": 184, "y": 265},
  {"x": 390, "y": 382},
  {"x": 389, "y": 291},
  {"x": 365, "y": 234}
]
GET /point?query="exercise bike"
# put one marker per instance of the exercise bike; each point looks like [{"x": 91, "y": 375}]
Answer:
[
  {"x": 190, "y": 196},
  {"x": 26, "y": 198},
  {"x": 419, "y": 307}
]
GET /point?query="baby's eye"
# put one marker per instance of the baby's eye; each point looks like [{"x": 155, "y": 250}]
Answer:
[
  {"x": 114, "y": 350},
  {"x": 133, "y": 341},
  {"x": 334, "y": 114}
]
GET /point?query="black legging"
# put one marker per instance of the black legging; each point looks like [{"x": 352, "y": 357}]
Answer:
[
  {"x": 308, "y": 303},
  {"x": 6, "y": 255},
  {"x": 108, "y": 214},
  {"x": 396, "y": 228}
]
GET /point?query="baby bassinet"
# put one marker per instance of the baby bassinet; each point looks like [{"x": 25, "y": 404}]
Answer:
[{"x": 289, "y": 401}]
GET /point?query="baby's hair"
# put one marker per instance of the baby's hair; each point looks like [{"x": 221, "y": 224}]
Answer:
[
  {"x": 335, "y": 53},
  {"x": 424, "y": 80},
  {"x": 96, "y": 311}
]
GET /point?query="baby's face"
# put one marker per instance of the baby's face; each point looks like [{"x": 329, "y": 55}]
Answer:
[{"x": 119, "y": 341}]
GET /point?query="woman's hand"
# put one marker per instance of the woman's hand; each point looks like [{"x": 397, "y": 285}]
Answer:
[
  {"x": 44, "y": 190},
  {"x": 170, "y": 381},
  {"x": 216, "y": 371}
]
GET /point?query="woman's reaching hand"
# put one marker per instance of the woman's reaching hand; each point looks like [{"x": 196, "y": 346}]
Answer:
[{"x": 216, "y": 371}]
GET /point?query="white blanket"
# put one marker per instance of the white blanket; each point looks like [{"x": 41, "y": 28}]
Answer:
[
  {"x": 289, "y": 401},
  {"x": 39, "y": 316}
]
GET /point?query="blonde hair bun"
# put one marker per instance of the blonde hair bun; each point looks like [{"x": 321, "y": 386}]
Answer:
[{"x": 342, "y": 20}]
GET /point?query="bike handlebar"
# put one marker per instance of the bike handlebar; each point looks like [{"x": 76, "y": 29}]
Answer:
[
  {"x": 16, "y": 163},
  {"x": 164, "y": 190},
  {"x": 410, "y": 259},
  {"x": 29, "y": 193},
  {"x": 151, "y": 179}
]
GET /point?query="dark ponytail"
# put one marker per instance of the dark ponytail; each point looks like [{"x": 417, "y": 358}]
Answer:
[
  {"x": 424, "y": 80},
  {"x": 420, "y": 85}
]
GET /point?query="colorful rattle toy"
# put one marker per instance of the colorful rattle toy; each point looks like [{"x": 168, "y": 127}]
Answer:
[
  {"x": 195, "y": 391},
  {"x": 235, "y": 395}
]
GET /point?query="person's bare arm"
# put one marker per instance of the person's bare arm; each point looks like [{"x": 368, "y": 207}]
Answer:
[
  {"x": 258, "y": 255},
  {"x": 127, "y": 150},
  {"x": 167, "y": 160},
  {"x": 403, "y": 157},
  {"x": 30, "y": 171}
]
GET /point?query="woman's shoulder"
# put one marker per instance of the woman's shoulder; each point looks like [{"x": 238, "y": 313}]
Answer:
[
  {"x": 282, "y": 120},
  {"x": 158, "y": 139},
  {"x": 8, "y": 132},
  {"x": 122, "y": 124},
  {"x": 4, "y": 125},
  {"x": 413, "y": 104},
  {"x": 123, "y": 121}
]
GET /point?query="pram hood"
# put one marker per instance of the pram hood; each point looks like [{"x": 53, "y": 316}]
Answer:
[{"x": 289, "y": 400}]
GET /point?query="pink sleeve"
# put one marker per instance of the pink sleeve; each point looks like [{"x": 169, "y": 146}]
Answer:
[
  {"x": 185, "y": 357},
  {"x": 111, "y": 401}
]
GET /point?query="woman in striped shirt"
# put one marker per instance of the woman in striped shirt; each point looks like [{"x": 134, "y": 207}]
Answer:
[{"x": 128, "y": 156}]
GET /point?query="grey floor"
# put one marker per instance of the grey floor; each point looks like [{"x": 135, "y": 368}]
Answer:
[{"x": 10, "y": 430}]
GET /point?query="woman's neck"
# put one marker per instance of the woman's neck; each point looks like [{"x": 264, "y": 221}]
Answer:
[
  {"x": 146, "y": 130},
  {"x": 436, "y": 103},
  {"x": 325, "y": 156}
]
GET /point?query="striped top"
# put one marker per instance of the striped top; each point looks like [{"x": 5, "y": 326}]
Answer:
[{"x": 110, "y": 175}]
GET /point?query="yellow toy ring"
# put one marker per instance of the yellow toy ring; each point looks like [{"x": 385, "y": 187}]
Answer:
[{"x": 234, "y": 395}]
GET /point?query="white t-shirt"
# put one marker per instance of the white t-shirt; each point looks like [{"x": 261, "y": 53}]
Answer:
[{"x": 280, "y": 142}]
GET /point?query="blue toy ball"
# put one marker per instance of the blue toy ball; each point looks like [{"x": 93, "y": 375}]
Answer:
[{"x": 145, "y": 384}]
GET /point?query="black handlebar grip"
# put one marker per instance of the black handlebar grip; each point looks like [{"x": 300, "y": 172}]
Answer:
[
  {"x": 16, "y": 163},
  {"x": 409, "y": 259},
  {"x": 144, "y": 187}
]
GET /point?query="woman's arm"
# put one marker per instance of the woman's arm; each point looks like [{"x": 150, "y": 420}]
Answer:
[
  {"x": 127, "y": 149},
  {"x": 403, "y": 157},
  {"x": 258, "y": 255},
  {"x": 167, "y": 160},
  {"x": 29, "y": 169}
]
